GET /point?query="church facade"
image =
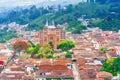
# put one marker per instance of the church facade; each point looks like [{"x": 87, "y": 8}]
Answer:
[{"x": 53, "y": 34}]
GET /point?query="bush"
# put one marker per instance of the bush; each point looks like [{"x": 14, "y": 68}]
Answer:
[
  {"x": 66, "y": 45},
  {"x": 68, "y": 55}
]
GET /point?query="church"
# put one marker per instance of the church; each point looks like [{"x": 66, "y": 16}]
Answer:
[{"x": 51, "y": 33}]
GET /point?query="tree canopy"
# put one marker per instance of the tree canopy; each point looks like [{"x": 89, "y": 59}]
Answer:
[
  {"x": 33, "y": 49},
  {"x": 45, "y": 52},
  {"x": 6, "y": 34},
  {"x": 112, "y": 65},
  {"x": 20, "y": 45},
  {"x": 68, "y": 55},
  {"x": 66, "y": 45}
]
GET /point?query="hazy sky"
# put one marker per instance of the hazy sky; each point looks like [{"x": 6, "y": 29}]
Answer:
[{"x": 12, "y": 3}]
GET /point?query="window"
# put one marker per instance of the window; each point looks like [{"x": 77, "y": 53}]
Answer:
[{"x": 42, "y": 73}]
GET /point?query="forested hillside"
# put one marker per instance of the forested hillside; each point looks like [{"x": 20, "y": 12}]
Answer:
[
  {"x": 6, "y": 34},
  {"x": 105, "y": 12},
  {"x": 22, "y": 16},
  {"x": 107, "y": 15}
]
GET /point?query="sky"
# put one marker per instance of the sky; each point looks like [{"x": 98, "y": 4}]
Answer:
[{"x": 12, "y": 3}]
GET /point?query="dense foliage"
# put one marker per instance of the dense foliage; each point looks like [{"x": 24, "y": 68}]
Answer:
[
  {"x": 33, "y": 49},
  {"x": 22, "y": 16},
  {"x": 66, "y": 45},
  {"x": 68, "y": 55},
  {"x": 108, "y": 16},
  {"x": 107, "y": 13},
  {"x": 5, "y": 35},
  {"x": 45, "y": 52},
  {"x": 110, "y": 24},
  {"x": 71, "y": 15},
  {"x": 112, "y": 65}
]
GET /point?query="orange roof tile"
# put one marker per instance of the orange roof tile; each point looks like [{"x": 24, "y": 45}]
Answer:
[{"x": 104, "y": 75}]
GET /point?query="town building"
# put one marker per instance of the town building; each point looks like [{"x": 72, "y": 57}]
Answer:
[
  {"x": 53, "y": 34},
  {"x": 38, "y": 69}
]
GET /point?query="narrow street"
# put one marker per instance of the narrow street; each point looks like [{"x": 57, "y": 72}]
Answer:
[{"x": 76, "y": 71}]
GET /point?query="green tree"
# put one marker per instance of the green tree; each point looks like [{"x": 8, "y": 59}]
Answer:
[
  {"x": 68, "y": 55},
  {"x": 45, "y": 52},
  {"x": 78, "y": 29},
  {"x": 66, "y": 45},
  {"x": 50, "y": 43},
  {"x": 108, "y": 66},
  {"x": 116, "y": 65},
  {"x": 112, "y": 65},
  {"x": 33, "y": 49}
]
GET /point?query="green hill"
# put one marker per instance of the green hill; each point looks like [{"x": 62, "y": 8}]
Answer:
[
  {"x": 86, "y": 10},
  {"x": 103, "y": 15}
]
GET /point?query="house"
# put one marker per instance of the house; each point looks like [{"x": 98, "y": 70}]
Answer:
[
  {"x": 14, "y": 72},
  {"x": 5, "y": 56},
  {"x": 55, "y": 69},
  {"x": 88, "y": 68},
  {"x": 11, "y": 76}
]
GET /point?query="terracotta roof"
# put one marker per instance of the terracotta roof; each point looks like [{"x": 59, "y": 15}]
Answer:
[
  {"x": 54, "y": 74},
  {"x": 4, "y": 57},
  {"x": 11, "y": 76},
  {"x": 16, "y": 68},
  {"x": 55, "y": 61},
  {"x": 81, "y": 61},
  {"x": 86, "y": 71},
  {"x": 53, "y": 67},
  {"x": 28, "y": 77},
  {"x": 104, "y": 75},
  {"x": 87, "y": 75}
]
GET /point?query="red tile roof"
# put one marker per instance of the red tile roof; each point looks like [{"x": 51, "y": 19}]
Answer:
[
  {"x": 104, "y": 75},
  {"x": 53, "y": 67},
  {"x": 11, "y": 76}
]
